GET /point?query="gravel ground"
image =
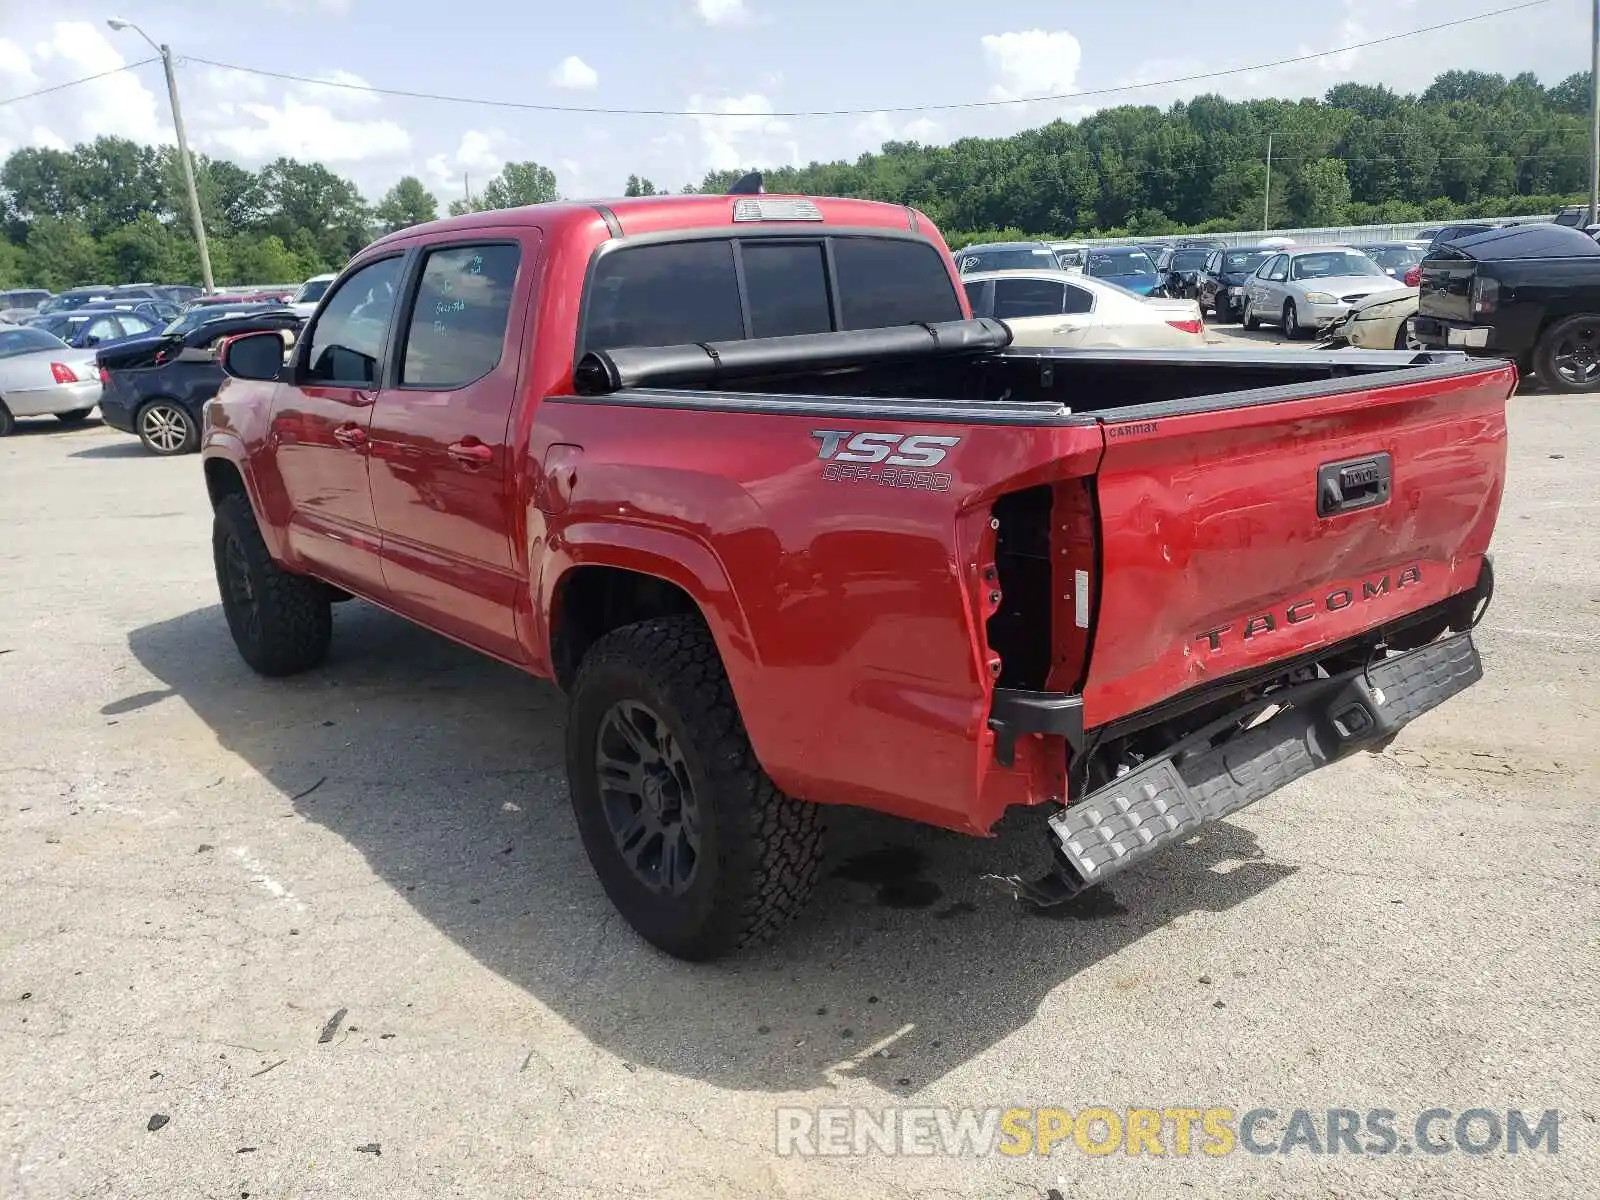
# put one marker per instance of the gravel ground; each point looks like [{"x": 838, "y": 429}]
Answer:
[{"x": 339, "y": 933}]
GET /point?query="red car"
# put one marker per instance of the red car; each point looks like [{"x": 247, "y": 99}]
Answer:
[{"x": 739, "y": 474}]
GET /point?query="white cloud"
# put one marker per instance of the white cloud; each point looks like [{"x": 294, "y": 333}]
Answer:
[
  {"x": 348, "y": 95},
  {"x": 14, "y": 63},
  {"x": 297, "y": 129},
  {"x": 753, "y": 135},
  {"x": 480, "y": 154},
  {"x": 119, "y": 105},
  {"x": 878, "y": 128},
  {"x": 722, "y": 12},
  {"x": 575, "y": 74},
  {"x": 1033, "y": 62}
]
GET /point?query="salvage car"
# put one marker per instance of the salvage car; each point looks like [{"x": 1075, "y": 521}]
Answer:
[
  {"x": 1221, "y": 285},
  {"x": 1305, "y": 288},
  {"x": 1006, "y": 256},
  {"x": 155, "y": 387},
  {"x": 743, "y": 476},
  {"x": 1530, "y": 293},
  {"x": 1125, "y": 266},
  {"x": 1380, "y": 322},
  {"x": 1057, "y": 308},
  {"x": 1180, "y": 270},
  {"x": 41, "y": 376}
]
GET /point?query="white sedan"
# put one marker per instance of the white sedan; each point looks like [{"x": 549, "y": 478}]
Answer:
[{"x": 1055, "y": 308}]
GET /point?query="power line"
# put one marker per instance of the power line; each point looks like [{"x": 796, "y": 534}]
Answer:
[
  {"x": 858, "y": 112},
  {"x": 75, "y": 82}
]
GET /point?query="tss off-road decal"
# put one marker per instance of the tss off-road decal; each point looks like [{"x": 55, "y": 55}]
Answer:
[{"x": 891, "y": 459}]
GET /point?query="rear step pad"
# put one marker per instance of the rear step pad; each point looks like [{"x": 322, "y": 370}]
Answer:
[{"x": 1165, "y": 800}]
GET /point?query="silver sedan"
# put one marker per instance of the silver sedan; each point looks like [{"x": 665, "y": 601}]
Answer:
[
  {"x": 41, "y": 376},
  {"x": 1303, "y": 288}
]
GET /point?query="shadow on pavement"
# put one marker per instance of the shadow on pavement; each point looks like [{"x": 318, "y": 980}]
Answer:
[
  {"x": 444, "y": 769},
  {"x": 132, "y": 448}
]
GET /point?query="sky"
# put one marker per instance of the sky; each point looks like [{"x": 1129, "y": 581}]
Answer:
[{"x": 750, "y": 58}]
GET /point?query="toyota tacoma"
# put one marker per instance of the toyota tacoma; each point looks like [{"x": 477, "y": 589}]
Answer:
[{"x": 741, "y": 475}]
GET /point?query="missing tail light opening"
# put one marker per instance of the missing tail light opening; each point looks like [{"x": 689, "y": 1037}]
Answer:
[
  {"x": 63, "y": 373},
  {"x": 1019, "y": 630}
]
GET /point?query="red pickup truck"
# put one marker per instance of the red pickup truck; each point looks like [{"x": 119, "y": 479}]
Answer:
[{"x": 742, "y": 477}]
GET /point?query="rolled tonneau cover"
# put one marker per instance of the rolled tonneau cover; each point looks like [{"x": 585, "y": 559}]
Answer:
[{"x": 703, "y": 363}]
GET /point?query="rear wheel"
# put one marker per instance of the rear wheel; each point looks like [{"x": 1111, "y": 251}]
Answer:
[
  {"x": 1567, "y": 358},
  {"x": 694, "y": 845},
  {"x": 7, "y": 421},
  {"x": 75, "y": 417},
  {"x": 166, "y": 428},
  {"x": 281, "y": 622}
]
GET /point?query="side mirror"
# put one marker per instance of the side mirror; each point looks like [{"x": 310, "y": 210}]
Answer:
[{"x": 257, "y": 356}]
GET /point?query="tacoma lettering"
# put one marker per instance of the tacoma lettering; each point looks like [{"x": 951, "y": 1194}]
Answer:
[{"x": 1304, "y": 610}]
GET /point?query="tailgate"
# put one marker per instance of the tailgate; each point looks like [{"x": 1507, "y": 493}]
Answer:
[
  {"x": 1445, "y": 289},
  {"x": 1237, "y": 538}
]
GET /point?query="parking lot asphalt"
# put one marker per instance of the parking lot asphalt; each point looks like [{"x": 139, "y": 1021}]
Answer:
[{"x": 339, "y": 932}]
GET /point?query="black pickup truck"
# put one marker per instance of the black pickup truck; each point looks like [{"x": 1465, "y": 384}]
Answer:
[{"x": 1529, "y": 293}]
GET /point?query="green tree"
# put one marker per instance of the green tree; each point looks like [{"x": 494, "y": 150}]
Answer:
[
  {"x": 144, "y": 250},
  {"x": 60, "y": 254},
  {"x": 308, "y": 196},
  {"x": 255, "y": 258},
  {"x": 517, "y": 184},
  {"x": 406, "y": 203},
  {"x": 637, "y": 186},
  {"x": 1318, "y": 193}
]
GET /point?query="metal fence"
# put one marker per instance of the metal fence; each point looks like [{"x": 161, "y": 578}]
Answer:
[{"x": 1333, "y": 235}]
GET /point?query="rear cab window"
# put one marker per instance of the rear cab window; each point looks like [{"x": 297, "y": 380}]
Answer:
[{"x": 729, "y": 288}]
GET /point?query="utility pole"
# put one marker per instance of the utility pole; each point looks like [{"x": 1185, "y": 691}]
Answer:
[
  {"x": 1266, "y": 196},
  {"x": 195, "y": 217},
  {"x": 1594, "y": 117}
]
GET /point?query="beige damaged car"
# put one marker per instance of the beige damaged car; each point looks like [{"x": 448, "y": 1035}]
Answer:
[{"x": 1380, "y": 322}]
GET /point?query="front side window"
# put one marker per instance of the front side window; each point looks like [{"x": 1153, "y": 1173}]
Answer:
[
  {"x": 348, "y": 339},
  {"x": 1015, "y": 298},
  {"x": 458, "y": 322}
]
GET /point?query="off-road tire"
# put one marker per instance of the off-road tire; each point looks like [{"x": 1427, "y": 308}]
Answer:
[
  {"x": 76, "y": 417},
  {"x": 1545, "y": 364},
  {"x": 759, "y": 849},
  {"x": 294, "y": 618}
]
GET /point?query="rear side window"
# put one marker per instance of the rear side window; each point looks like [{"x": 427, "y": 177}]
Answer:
[
  {"x": 458, "y": 321},
  {"x": 888, "y": 282},
  {"x": 665, "y": 295},
  {"x": 1079, "y": 300},
  {"x": 787, "y": 286},
  {"x": 1027, "y": 298}
]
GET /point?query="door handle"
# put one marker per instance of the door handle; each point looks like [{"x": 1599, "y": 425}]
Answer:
[
  {"x": 470, "y": 452},
  {"x": 351, "y": 437}
]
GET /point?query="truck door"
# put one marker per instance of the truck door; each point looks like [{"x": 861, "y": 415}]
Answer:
[
  {"x": 443, "y": 469},
  {"x": 320, "y": 422}
]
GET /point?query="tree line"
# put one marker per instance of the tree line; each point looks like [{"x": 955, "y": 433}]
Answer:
[
  {"x": 1472, "y": 143},
  {"x": 115, "y": 211}
]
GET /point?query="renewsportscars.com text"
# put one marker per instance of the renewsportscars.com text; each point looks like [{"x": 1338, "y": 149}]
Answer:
[{"x": 1176, "y": 1131}]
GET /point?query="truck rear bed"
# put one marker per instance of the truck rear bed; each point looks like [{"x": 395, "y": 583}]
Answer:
[{"x": 1120, "y": 534}]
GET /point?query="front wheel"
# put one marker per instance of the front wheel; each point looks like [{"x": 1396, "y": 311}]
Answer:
[
  {"x": 1251, "y": 321},
  {"x": 8, "y": 423},
  {"x": 1567, "y": 358},
  {"x": 1291, "y": 321},
  {"x": 1404, "y": 339},
  {"x": 76, "y": 417},
  {"x": 166, "y": 428},
  {"x": 694, "y": 845},
  {"x": 281, "y": 622}
]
